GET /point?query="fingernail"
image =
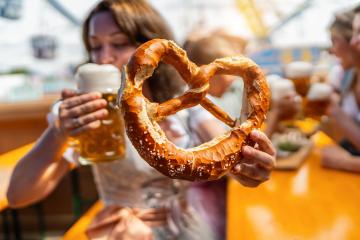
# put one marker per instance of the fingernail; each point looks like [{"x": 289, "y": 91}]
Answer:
[
  {"x": 97, "y": 94},
  {"x": 247, "y": 150},
  {"x": 105, "y": 112},
  {"x": 237, "y": 168},
  {"x": 95, "y": 124},
  {"x": 255, "y": 133}
]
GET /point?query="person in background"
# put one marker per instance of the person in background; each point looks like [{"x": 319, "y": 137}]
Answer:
[
  {"x": 140, "y": 203},
  {"x": 225, "y": 91},
  {"x": 344, "y": 112},
  {"x": 209, "y": 198},
  {"x": 341, "y": 74},
  {"x": 341, "y": 31}
]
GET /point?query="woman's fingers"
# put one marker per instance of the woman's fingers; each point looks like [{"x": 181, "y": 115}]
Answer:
[
  {"x": 79, "y": 113},
  {"x": 252, "y": 171},
  {"x": 246, "y": 181},
  {"x": 82, "y": 109},
  {"x": 263, "y": 141},
  {"x": 73, "y": 123},
  {"x": 68, "y": 93},
  {"x": 256, "y": 156},
  {"x": 80, "y": 99},
  {"x": 86, "y": 127}
]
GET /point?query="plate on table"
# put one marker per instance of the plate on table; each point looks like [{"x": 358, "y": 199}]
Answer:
[{"x": 293, "y": 146}]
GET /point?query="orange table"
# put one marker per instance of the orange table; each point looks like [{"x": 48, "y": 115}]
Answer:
[
  {"x": 310, "y": 203},
  {"x": 7, "y": 164}
]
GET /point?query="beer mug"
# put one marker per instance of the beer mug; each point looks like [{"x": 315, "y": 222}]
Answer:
[
  {"x": 280, "y": 88},
  {"x": 317, "y": 100},
  {"x": 107, "y": 142},
  {"x": 300, "y": 74}
]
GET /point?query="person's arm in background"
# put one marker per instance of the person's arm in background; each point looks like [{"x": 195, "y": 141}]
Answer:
[
  {"x": 344, "y": 123},
  {"x": 39, "y": 171}
]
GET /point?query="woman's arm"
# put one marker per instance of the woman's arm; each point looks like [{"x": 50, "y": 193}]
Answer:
[
  {"x": 39, "y": 171},
  {"x": 344, "y": 123}
]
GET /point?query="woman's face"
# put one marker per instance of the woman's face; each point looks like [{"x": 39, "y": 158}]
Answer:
[
  {"x": 108, "y": 45},
  {"x": 355, "y": 40},
  {"x": 342, "y": 49}
]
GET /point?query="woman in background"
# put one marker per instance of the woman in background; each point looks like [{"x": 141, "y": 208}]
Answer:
[{"x": 344, "y": 109}]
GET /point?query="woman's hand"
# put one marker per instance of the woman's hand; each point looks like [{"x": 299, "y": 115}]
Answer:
[
  {"x": 257, "y": 163},
  {"x": 79, "y": 113},
  {"x": 334, "y": 107}
]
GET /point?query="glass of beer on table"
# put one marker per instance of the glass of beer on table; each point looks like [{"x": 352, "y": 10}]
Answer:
[
  {"x": 317, "y": 100},
  {"x": 106, "y": 142},
  {"x": 300, "y": 74}
]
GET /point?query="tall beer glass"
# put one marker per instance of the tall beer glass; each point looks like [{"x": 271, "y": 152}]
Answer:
[
  {"x": 107, "y": 142},
  {"x": 300, "y": 74},
  {"x": 317, "y": 100}
]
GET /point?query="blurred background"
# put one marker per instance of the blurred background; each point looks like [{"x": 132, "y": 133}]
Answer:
[{"x": 40, "y": 47}]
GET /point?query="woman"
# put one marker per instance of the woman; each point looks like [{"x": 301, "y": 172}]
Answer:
[
  {"x": 140, "y": 202},
  {"x": 344, "y": 109},
  {"x": 341, "y": 32}
]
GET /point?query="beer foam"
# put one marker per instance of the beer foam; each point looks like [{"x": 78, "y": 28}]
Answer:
[
  {"x": 272, "y": 78},
  {"x": 298, "y": 69},
  {"x": 101, "y": 78},
  {"x": 319, "y": 91},
  {"x": 281, "y": 88}
]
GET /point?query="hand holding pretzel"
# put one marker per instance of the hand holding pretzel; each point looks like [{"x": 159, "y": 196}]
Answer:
[{"x": 210, "y": 160}]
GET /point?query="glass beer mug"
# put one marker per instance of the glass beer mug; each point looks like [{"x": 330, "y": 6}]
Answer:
[
  {"x": 107, "y": 142},
  {"x": 300, "y": 74},
  {"x": 317, "y": 100}
]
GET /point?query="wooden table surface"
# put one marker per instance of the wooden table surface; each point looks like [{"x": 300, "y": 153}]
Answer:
[
  {"x": 308, "y": 203},
  {"x": 7, "y": 164}
]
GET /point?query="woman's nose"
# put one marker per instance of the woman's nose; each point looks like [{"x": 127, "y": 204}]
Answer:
[{"x": 106, "y": 55}]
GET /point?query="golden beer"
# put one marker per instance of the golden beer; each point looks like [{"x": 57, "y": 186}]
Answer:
[
  {"x": 317, "y": 100},
  {"x": 300, "y": 74},
  {"x": 106, "y": 142}
]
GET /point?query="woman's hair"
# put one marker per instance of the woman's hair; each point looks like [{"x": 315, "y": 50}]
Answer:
[
  {"x": 357, "y": 9},
  {"x": 207, "y": 49},
  {"x": 342, "y": 24},
  {"x": 140, "y": 23}
]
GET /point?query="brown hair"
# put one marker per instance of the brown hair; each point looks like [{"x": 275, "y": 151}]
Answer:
[
  {"x": 342, "y": 24},
  {"x": 357, "y": 9},
  {"x": 207, "y": 49},
  {"x": 140, "y": 23}
]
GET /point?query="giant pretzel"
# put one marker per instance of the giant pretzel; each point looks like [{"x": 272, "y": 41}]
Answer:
[{"x": 210, "y": 160}]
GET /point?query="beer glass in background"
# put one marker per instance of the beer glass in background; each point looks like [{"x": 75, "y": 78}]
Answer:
[
  {"x": 105, "y": 143},
  {"x": 300, "y": 74},
  {"x": 280, "y": 88},
  {"x": 317, "y": 100}
]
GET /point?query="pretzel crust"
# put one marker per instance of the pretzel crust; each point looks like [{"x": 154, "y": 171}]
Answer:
[{"x": 210, "y": 160}]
